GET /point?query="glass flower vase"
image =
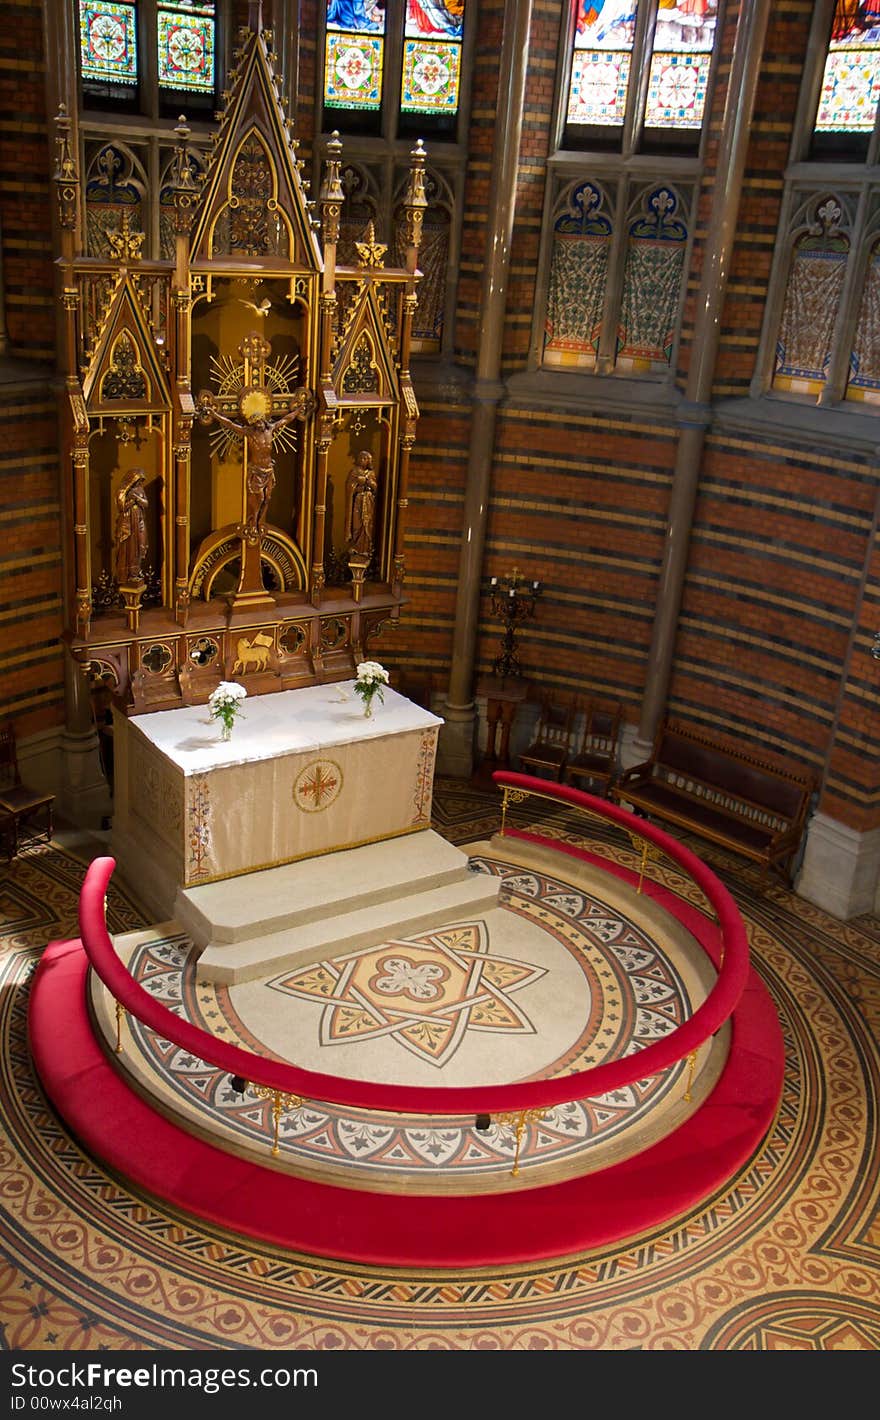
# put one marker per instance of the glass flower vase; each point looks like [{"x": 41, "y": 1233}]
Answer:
[{"x": 226, "y": 729}]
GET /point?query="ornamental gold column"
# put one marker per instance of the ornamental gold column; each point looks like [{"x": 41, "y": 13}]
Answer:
[
  {"x": 414, "y": 206},
  {"x": 330, "y": 201},
  {"x": 184, "y": 196},
  {"x": 67, "y": 187}
]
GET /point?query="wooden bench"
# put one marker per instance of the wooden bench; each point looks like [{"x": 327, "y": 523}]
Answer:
[{"x": 728, "y": 798}]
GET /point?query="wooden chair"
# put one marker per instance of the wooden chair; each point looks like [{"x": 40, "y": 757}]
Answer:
[
  {"x": 549, "y": 749},
  {"x": 595, "y": 763},
  {"x": 25, "y": 814}
]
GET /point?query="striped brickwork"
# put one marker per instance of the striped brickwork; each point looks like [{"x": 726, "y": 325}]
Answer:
[
  {"x": 480, "y": 140},
  {"x": 423, "y": 638},
  {"x": 31, "y": 690},
  {"x": 579, "y": 503},
  {"x": 25, "y": 167},
  {"x": 306, "y": 80},
  {"x": 31, "y": 676},
  {"x": 851, "y": 790},
  {"x": 531, "y": 183},
  {"x": 772, "y": 593},
  {"x": 758, "y": 215}
]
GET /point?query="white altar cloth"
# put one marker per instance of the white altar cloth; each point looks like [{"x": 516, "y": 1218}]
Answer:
[{"x": 305, "y": 772}]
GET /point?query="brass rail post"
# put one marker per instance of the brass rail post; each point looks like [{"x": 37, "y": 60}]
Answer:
[{"x": 280, "y": 1102}]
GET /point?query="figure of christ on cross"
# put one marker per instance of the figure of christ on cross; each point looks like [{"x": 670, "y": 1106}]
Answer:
[{"x": 258, "y": 432}]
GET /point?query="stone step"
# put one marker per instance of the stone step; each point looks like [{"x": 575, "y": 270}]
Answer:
[
  {"x": 294, "y": 894},
  {"x": 400, "y": 916}
]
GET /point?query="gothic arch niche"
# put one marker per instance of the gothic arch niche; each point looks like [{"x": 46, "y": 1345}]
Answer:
[
  {"x": 583, "y": 230},
  {"x": 435, "y": 288},
  {"x": 116, "y": 187},
  {"x": 252, "y": 223},
  {"x": 819, "y": 238},
  {"x": 239, "y": 308},
  {"x": 366, "y": 431},
  {"x": 125, "y": 379},
  {"x": 650, "y": 307},
  {"x": 116, "y": 447},
  {"x": 864, "y": 361}
]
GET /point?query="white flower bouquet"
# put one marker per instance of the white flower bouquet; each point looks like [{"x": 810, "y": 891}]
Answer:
[
  {"x": 371, "y": 681},
  {"x": 224, "y": 704}
]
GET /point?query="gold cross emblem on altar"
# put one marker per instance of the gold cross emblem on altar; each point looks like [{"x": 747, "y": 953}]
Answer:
[{"x": 317, "y": 786}]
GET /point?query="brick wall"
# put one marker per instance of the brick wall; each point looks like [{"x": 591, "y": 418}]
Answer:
[
  {"x": 768, "y": 153},
  {"x": 31, "y": 674},
  {"x": 31, "y": 689},
  {"x": 772, "y": 593},
  {"x": 25, "y": 167}
]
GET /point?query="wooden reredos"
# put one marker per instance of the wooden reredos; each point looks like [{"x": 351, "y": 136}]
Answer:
[{"x": 259, "y": 398}]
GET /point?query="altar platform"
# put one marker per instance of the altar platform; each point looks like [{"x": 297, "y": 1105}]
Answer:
[
  {"x": 300, "y": 912},
  {"x": 305, "y": 773}
]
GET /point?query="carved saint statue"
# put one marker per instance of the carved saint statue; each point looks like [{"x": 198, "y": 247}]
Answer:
[
  {"x": 257, "y": 430},
  {"x": 361, "y": 486},
  {"x": 130, "y": 538}
]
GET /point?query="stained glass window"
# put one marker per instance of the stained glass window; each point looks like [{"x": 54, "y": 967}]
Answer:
[
  {"x": 614, "y": 45},
  {"x": 186, "y": 47},
  {"x": 432, "y": 57},
  {"x": 851, "y": 80},
  {"x": 120, "y": 39},
  {"x": 678, "y": 79},
  {"x": 425, "y": 38},
  {"x": 600, "y": 67},
  {"x": 354, "y": 55},
  {"x": 108, "y": 41}
]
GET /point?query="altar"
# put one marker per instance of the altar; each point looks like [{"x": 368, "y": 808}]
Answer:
[{"x": 305, "y": 772}]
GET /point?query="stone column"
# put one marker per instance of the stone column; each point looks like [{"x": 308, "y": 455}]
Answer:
[
  {"x": 456, "y": 748},
  {"x": 695, "y": 414}
]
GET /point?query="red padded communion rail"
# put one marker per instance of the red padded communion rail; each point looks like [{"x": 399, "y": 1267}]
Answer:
[
  {"x": 309, "y": 1216},
  {"x": 289, "y": 1079}
]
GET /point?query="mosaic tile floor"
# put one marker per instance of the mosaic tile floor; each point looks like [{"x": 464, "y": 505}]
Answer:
[
  {"x": 566, "y": 973},
  {"x": 787, "y": 1256}
]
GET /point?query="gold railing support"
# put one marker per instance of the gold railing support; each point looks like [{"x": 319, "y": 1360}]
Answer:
[
  {"x": 280, "y": 1102},
  {"x": 519, "y": 1119},
  {"x": 691, "y": 1064},
  {"x": 649, "y": 853},
  {"x": 120, "y": 1016},
  {"x": 510, "y": 796}
]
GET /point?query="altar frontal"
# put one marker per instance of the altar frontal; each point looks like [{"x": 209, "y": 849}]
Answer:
[{"x": 305, "y": 772}]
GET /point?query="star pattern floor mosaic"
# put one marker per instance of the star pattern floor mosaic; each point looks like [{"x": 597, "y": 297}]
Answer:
[
  {"x": 558, "y": 978},
  {"x": 786, "y": 1256}
]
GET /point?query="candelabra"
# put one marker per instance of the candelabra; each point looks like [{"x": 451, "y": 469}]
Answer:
[{"x": 513, "y": 601}]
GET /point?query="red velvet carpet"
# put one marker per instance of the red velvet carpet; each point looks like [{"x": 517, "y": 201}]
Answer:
[{"x": 392, "y": 1229}]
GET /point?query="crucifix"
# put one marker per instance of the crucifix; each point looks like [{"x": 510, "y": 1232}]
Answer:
[{"x": 256, "y": 404}]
